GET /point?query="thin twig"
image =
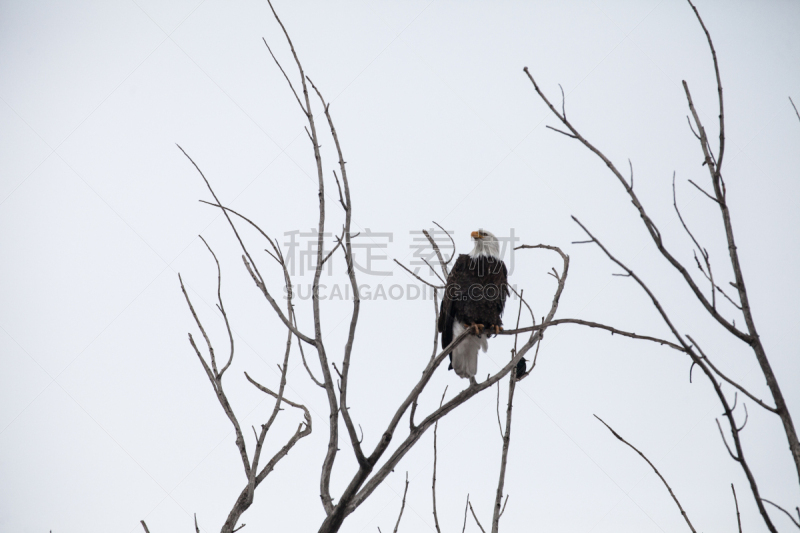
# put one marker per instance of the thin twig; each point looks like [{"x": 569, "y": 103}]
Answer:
[
  {"x": 727, "y": 379},
  {"x": 597, "y": 325},
  {"x": 402, "y": 506},
  {"x": 466, "y": 507},
  {"x": 419, "y": 278},
  {"x": 216, "y": 384},
  {"x": 498, "y": 511},
  {"x": 795, "y": 108},
  {"x": 631, "y": 165},
  {"x": 475, "y": 516},
  {"x": 434, "y": 272},
  {"x": 285, "y": 76},
  {"x": 452, "y": 255},
  {"x": 719, "y": 89},
  {"x": 709, "y": 274},
  {"x": 438, "y": 253},
  {"x": 652, "y": 229},
  {"x": 738, "y": 516},
  {"x": 617, "y": 435},
  {"x": 571, "y": 136},
  {"x": 795, "y": 522},
  {"x": 249, "y": 263},
  {"x": 703, "y": 191},
  {"x": 433, "y": 482},
  {"x": 504, "y": 505},
  {"x": 724, "y": 441},
  {"x": 221, "y": 308},
  {"x": 497, "y": 409}
]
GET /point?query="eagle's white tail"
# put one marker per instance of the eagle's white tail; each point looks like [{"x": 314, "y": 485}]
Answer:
[{"x": 465, "y": 355}]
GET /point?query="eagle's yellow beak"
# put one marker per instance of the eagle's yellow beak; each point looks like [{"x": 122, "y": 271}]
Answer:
[{"x": 476, "y": 235}]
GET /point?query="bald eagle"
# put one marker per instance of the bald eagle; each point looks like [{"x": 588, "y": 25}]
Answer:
[{"x": 474, "y": 297}]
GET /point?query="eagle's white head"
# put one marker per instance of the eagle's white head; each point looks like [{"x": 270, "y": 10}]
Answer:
[{"x": 485, "y": 244}]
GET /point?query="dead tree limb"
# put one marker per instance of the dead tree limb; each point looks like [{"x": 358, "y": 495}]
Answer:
[
  {"x": 433, "y": 481},
  {"x": 402, "y": 505},
  {"x": 736, "y": 502},
  {"x": 714, "y": 164},
  {"x": 498, "y": 509},
  {"x": 664, "y": 481}
]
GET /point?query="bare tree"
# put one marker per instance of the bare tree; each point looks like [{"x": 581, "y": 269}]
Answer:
[
  {"x": 684, "y": 342},
  {"x": 375, "y": 464}
]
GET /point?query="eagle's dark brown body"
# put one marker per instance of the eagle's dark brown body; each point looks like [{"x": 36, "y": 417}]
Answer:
[{"x": 475, "y": 293}]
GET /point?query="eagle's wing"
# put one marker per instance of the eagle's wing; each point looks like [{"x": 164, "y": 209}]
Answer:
[
  {"x": 447, "y": 311},
  {"x": 504, "y": 292}
]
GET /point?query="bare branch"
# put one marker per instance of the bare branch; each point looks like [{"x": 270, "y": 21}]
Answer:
[
  {"x": 694, "y": 132},
  {"x": 709, "y": 275},
  {"x": 419, "y": 278},
  {"x": 795, "y": 108},
  {"x": 498, "y": 511},
  {"x": 434, "y": 272},
  {"x": 617, "y": 435},
  {"x": 721, "y": 434},
  {"x": 522, "y": 301},
  {"x": 497, "y": 409},
  {"x": 356, "y": 307},
  {"x": 571, "y": 136},
  {"x": 433, "y": 482},
  {"x": 655, "y": 234},
  {"x": 221, "y": 308},
  {"x": 465, "y": 514},
  {"x": 461, "y": 398},
  {"x": 339, "y": 187},
  {"x": 795, "y": 522},
  {"x": 249, "y": 263},
  {"x": 303, "y": 358},
  {"x": 719, "y": 89},
  {"x": 746, "y": 416},
  {"x": 435, "y": 246},
  {"x": 738, "y": 516},
  {"x": 750, "y": 336},
  {"x": 728, "y": 380},
  {"x": 338, "y": 243},
  {"x": 614, "y": 331},
  {"x": 216, "y": 383},
  {"x": 504, "y": 505},
  {"x": 265, "y": 427},
  {"x": 631, "y": 165},
  {"x": 475, "y": 517},
  {"x": 144, "y": 526},
  {"x": 703, "y": 191},
  {"x": 453, "y": 255},
  {"x": 402, "y": 506},
  {"x": 266, "y": 390},
  {"x": 285, "y": 76}
]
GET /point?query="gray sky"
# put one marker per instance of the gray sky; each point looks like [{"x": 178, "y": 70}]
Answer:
[{"x": 106, "y": 416}]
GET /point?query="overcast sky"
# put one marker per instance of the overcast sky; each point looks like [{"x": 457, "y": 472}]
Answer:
[{"x": 106, "y": 415}]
